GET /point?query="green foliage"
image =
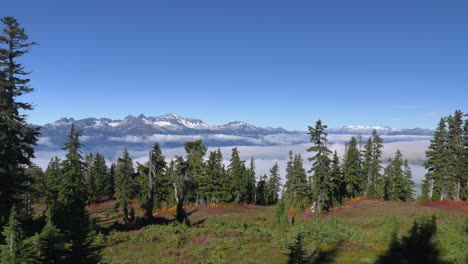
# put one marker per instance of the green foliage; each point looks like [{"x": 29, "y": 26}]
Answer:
[
  {"x": 398, "y": 184},
  {"x": 124, "y": 184},
  {"x": 352, "y": 170},
  {"x": 280, "y": 219},
  {"x": 16, "y": 249},
  {"x": 296, "y": 253},
  {"x": 297, "y": 191},
  {"x": 321, "y": 178},
  {"x": 17, "y": 138}
]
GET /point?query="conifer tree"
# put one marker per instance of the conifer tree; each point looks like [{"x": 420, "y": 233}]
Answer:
[
  {"x": 436, "y": 164},
  {"x": 297, "y": 254},
  {"x": 52, "y": 178},
  {"x": 274, "y": 184},
  {"x": 251, "y": 183},
  {"x": 367, "y": 159},
  {"x": 464, "y": 193},
  {"x": 124, "y": 184},
  {"x": 398, "y": 182},
  {"x": 352, "y": 170},
  {"x": 16, "y": 249},
  {"x": 17, "y": 138},
  {"x": 236, "y": 170},
  {"x": 338, "y": 180},
  {"x": 280, "y": 219},
  {"x": 156, "y": 172},
  {"x": 297, "y": 193},
  {"x": 262, "y": 191},
  {"x": 69, "y": 214},
  {"x": 377, "y": 145},
  {"x": 321, "y": 178},
  {"x": 99, "y": 172},
  {"x": 455, "y": 151},
  {"x": 195, "y": 167},
  {"x": 51, "y": 243}
]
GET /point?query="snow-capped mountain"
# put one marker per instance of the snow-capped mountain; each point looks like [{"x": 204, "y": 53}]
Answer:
[
  {"x": 381, "y": 130},
  {"x": 170, "y": 130}
]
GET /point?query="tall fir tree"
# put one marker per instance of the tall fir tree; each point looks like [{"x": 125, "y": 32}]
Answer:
[
  {"x": 436, "y": 164},
  {"x": 17, "y": 249},
  {"x": 236, "y": 170},
  {"x": 195, "y": 168},
  {"x": 455, "y": 149},
  {"x": 99, "y": 172},
  {"x": 69, "y": 214},
  {"x": 124, "y": 184},
  {"x": 156, "y": 173},
  {"x": 321, "y": 170},
  {"x": 352, "y": 170},
  {"x": 51, "y": 243},
  {"x": 17, "y": 138},
  {"x": 262, "y": 190},
  {"x": 338, "y": 180},
  {"x": 274, "y": 184},
  {"x": 251, "y": 183}
]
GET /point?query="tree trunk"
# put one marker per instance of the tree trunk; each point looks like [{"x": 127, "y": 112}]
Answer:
[{"x": 431, "y": 188}]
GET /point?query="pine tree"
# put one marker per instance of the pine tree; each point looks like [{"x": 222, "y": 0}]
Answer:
[
  {"x": 99, "y": 172},
  {"x": 182, "y": 183},
  {"x": 124, "y": 184},
  {"x": 156, "y": 172},
  {"x": 88, "y": 177},
  {"x": 17, "y": 138},
  {"x": 338, "y": 180},
  {"x": 280, "y": 219},
  {"x": 398, "y": 182},
  {"x": 69, "y": 214},
  {"x": 455, "y": 151},
  {"x": 251, "y": 183},
  {"x": 377, "y": 145},
  {"x": 464, "y": 193},
  {"x": 297, "y": 254},
  {"x": 195, "y": 154},
  {"x": 352, "y": 170},
  {"x": 321, "y": 178},
  {"x": 16, "y": 249},
  {"x": 367, "y": 159},
  {"x": 236, "y": 170},
  {"x": 51, "y": 243},
  {"x": 297, "y": 193},
  {"x": 436, "y": 163},
  {"x": 52, "y": 179},
  {"x": 262, "y": 191},
  {"x": 274, "y": 184}
]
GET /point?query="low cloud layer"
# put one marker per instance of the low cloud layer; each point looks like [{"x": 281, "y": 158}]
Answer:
[{"x": 265, "y": 150}]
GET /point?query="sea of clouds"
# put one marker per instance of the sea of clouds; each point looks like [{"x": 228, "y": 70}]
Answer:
[{"x": 265, "y": 150}]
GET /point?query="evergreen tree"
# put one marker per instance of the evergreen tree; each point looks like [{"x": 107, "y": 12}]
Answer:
[
  {"x": 236, "y": 170},
  {"x": 367, "y": 159},
  {"x": 88, "y": 177},
  {"x": 274, "y": 184},
  {"x": 124, "y": 184},
  {"x": 17, "y": 138},
  {"x": 464, "y": 193},
  {"x": 338, "y": 180},
  {"x": 375, "y": 167},
  {"x": 297, "y": 254},
  {"x": 262, "y": 191},
  {"x": 51, "y": 243},
  {"x": 436, "y": 163},
  {"x": 182, "y": 183},
  {"x": 195, "y": 168},
  {"x": 52, "y": 179},
  {"x": 251, "y": 183},
  {"x": 398, "y": 182},
  {"x": 352, "y": 170},
  {"x": 297, "y": 193},
  {"x": 455, "y": 149},
  {"x": 16, "y": 249},
  {"x": 321, "y": 178},
  {"x": 156, "y": 172},
  {"x": 280, "y": 219},
  {"x": 99, "y": 172},
  {"x": 69, "y": 214}
]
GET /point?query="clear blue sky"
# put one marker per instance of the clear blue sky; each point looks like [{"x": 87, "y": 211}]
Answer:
[{"x": 270, "y": 63}]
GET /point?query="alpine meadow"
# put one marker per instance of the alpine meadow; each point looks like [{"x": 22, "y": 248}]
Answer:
[{"x": 85, "y": 178}]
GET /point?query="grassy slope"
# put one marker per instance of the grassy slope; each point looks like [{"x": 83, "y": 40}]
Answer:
[{"x": 245, "y": 234}]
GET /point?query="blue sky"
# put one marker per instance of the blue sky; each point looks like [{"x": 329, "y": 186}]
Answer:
[{"x": 270, "y": 63}]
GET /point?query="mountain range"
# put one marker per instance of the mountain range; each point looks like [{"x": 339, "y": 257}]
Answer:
[{"x": 172, "y": 130}]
